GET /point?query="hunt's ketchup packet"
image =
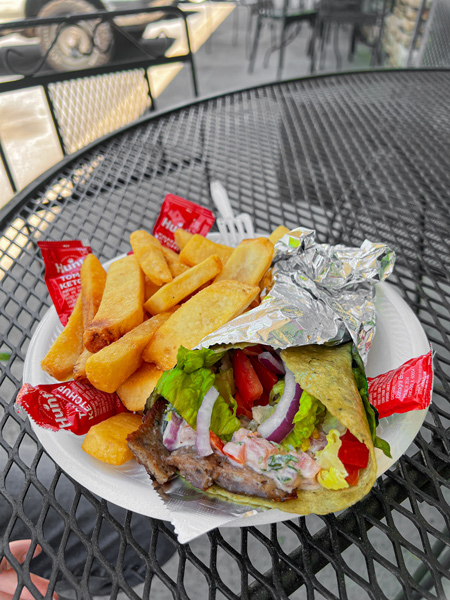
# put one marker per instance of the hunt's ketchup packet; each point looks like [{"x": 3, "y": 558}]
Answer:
[
  {"x": 407, "y": 388},
  {"x": 63, "y": 262},
  {"x": 178, "y": 213},
  {"x": 71, "y": 405}
]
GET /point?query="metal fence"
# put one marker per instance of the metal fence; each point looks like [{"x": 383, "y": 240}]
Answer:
[{"x": 93, "y": 70}]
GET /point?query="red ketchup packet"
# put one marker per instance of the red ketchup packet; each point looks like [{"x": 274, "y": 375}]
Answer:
[
  {"x": 178, "y": 213},
  {"x": 71, "y": 405},
  {"x": 63, "y": 262},
  {"x": 403, "y": 389}
]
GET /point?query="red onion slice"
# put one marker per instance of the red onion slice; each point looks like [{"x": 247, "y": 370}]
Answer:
[
  {"x": 272, "y": 363},
  {"x": 279, "y": 424},
  {"x": 204, "y": 421},
  {"x": 171, "y": 432}
]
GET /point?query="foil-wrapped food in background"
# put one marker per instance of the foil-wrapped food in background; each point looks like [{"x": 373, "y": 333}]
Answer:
[{"x": 321, "y": 294}]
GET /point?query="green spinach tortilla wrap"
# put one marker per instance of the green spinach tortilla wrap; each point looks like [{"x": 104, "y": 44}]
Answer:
[{"x": 291, "y": 430}]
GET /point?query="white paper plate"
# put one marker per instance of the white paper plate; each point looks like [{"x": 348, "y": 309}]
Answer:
[{"x": 399, "y": 337}]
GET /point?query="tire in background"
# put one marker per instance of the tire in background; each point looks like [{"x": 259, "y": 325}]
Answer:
[{"x": 71, "y": 47}]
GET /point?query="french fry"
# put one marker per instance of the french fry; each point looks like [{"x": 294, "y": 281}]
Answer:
[
  {"x": 121, "y": 308},
  {"x": 173, "y": 262},
  {"x": 79, "y": 368},
  {"x": 150, "y": 288},
  {"x": 198, "y": 248},
  {"x": 135, "y": 390},
  {"x": 249, "y": 261},
  {"x": 107, "y": 440},
  {"x": 93, "y": 279},
  {"x": 266, "y": 282},
  {"x": 183, "y": 285},
  {"x": 65, "y": 350},
  {"x": 278, "y": 233},
  {"x": 182, "y": 237},
  {"x": 111, "y": 366},
  {"x": 202, "y": 314},
  {"x": 148, "y": 252}
]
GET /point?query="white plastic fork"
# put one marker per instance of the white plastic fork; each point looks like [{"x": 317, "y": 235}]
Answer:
[{"x": 232, "y": 229}]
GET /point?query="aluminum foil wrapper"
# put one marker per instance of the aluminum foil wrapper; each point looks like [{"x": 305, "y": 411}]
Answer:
[
  {"x": 194, "y": 512},
  {"x": 321, "y": 294}
]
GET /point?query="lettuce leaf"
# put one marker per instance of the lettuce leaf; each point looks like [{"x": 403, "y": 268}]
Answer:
[
  {"x": 333, "y": 473},
  {"x": 185, "y": 386},
  {"x": 191, "y": 360},
  {"x": 304, "y": 422},
  {"x": 371, "y": 412},
  {"x": 276, "y": 392}
]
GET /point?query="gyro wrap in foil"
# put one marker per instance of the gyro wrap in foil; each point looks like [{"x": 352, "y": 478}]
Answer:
[{"x": 321, "y": 294}]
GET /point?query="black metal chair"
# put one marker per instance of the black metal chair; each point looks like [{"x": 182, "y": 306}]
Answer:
[
  {"x": 365, "y": 17},
  {"x": 288, "y": 15},
  {"x": 108, "y": 58}
]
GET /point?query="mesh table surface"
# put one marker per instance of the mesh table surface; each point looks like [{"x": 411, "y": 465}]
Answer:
[{"x": 353, "y": 156}]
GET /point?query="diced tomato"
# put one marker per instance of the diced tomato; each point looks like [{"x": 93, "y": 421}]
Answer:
[
  {"x": 354, "y": 453},
  {"x": 235, "y": 451},
  {"x": 349, "y": 437},
  {"x": 253, "y": 350},
  {"x": 353, "y": 475},
  {"x": 266, "y": 377},
  {"x": 264, "y": 400},
  {"x": 216, "y": 442},
  {"x": 247, "y": 382}
]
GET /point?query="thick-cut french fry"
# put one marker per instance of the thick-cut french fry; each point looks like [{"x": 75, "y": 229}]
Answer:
[
  {"x": 121, "y": 308},
  {"x": 173, "y": 261},
  {"x": 137, "y": 388},
  {"x": 65, "y": 350},
  {"x": 249, "y": 261},
  {"x": 182, "y": 237},
  {"x": 183, "y": 285},
  {"x": 148, "y": 252},
  {"x": 278, "y": 233},
  {"x": 79, "y": 368},
  {"x": 150, "y": 288},
  {"x": 93, "y": 279},
  {"x": 107, "y": 440},
  {"x": 111, "y": 366},
  {"x": 266, "y": 282},
  {"x": 202, "y": 314},
  {"x": 198, "y": 248}
]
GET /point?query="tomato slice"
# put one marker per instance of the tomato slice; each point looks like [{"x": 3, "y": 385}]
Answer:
[
  {"x": 354, "y": 453},
  {"x": 264, "y": 400},
  {"x": 353, "y": 475},
  {"x": 247, "y": 382},
  {"x": 216, "y": 442},
  {"x": 242, "y": 408},
  {"x": 266, "y": 377},
  {"x": 349, "y": 437}
]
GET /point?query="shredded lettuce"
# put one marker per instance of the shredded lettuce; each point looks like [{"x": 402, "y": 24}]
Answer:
[
  {"x": 332, "y": 479},
  {"x": 224, "y": 382},
  {"x": 185, "y": 386},
  {"x": 371, "y": 412},
  {"x": 191, "y": 360},
  {"x": 333, "y": 473},
  {"x": 304, "y": 421},
  {"x": 276, "y": 392}
]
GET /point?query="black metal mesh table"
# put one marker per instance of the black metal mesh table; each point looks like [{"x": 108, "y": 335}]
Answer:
[{"x": 352, "y": 156}]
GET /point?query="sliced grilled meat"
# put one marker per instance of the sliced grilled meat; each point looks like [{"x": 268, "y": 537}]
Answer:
[
  {"x": 147, "y": 445},
  {"x": 244, "y": 480},
  {"x": 161, "y": 464},
  {"x": 198, "y": 471}
]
